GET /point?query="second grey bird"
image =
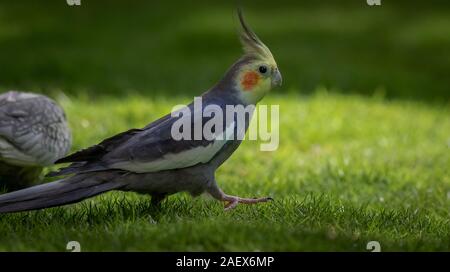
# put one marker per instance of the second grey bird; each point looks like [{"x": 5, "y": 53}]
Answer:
[
  {"x": 150, "y": 160},
  {"x": 33, "y": 134}
]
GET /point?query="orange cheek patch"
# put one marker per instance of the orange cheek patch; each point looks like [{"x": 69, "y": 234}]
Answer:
[{"x": 249, "y": 80}]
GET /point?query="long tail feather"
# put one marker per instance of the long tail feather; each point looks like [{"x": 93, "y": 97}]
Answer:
[{"x": 61, "y": 192}]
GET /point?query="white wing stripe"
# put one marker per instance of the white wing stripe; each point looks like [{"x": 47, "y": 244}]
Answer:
[{"x": 201, "y": 154}]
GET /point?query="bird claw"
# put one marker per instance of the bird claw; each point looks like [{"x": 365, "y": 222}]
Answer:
[{"x": 233, "y": 201}]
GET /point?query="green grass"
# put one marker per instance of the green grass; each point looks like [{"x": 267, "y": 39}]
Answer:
[
  {"x": 351, "y": 170},
  {"x": 364, "y": 157}
]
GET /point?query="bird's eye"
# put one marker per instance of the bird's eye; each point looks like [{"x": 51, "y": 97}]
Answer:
[{"x": 262, "y": 69}]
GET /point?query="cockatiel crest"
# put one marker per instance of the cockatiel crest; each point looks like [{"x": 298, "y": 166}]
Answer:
[
  {"x": 256, "y": 73},
  {"x": 252, "y": 45}
]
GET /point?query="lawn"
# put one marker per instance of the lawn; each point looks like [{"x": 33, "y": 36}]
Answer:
[
  {"x": 351, "y": 170},
  {"x": 364, "y": 121}
]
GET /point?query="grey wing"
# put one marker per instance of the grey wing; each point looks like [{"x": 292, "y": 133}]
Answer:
[
  {"x": 156, "y": 149},
  {"x": 146, "y": 150},
  {"x": 33, "y": 130}
]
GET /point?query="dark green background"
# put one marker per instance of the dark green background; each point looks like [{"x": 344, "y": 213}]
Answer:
[
  {"x": 397, "y": 50},
  {"x": 349, "y": 168}
]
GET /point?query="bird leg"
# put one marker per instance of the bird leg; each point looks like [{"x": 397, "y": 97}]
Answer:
[
  {"x": 157, "y": 199},
  {"x": 233, "y": 201}
]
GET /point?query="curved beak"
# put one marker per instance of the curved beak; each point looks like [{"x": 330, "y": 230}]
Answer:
[{"x": 277, "y": 79}]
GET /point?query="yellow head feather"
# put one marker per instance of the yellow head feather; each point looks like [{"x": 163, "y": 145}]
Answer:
[{"x": 252, "y": 45}]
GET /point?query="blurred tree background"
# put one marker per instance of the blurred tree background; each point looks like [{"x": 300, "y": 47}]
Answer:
[
  {"x": 397, "y": 50},
  {"x": 364, "y": 120}
]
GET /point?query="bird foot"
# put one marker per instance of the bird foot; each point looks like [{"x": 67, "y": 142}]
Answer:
[
  {"x": 157, "y": 199},
  {"x": 233, "y": 201}
]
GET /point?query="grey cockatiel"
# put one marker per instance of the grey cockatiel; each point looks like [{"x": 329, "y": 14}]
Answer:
[
  {"x": 33, "y": 134},
  {"x": 150, "y": 160}
]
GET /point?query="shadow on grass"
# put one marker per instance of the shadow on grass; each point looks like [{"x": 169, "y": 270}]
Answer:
[{"x": 398, "y": 50}]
